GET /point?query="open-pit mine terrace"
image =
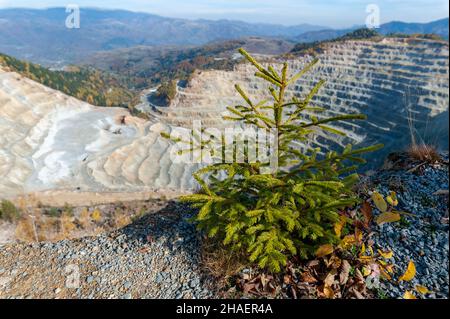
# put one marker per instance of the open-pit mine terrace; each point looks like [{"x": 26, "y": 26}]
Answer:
[{"x": 65, "y": 150}]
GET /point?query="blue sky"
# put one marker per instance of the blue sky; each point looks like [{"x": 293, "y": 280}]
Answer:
[{"x": 335, "y": 13}]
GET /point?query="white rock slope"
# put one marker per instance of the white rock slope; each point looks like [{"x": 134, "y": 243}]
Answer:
[{"x": 49, "y": 141}]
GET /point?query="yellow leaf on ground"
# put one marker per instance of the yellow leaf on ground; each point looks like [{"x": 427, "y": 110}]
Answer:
[
  {"x": 409, "y": 295},
  {"x": 386, "y": 255},
  {"x": 363, "y": 249},
  {"x": 409, "y": 273},
  {"x": 422, "y": 289},
  {"x": 392, "y": 199},
  {"x": 365, "y": 259},
  {"x": 358, "y": 235},
  {"x": 96, "y": 215},
  {"x": 387, "y": 218},
  {"x": 366, "y": 271},
  {"x": 379, "y": 201},
  {"x": 339, "y": 225},
  {"x": 324, "y": 250},
  {"x": 389, "y": 268},
  {"x": 385, "y": 273},
  {"x": 348, "y": 241}
]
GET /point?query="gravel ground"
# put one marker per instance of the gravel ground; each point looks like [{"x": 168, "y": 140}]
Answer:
[
  {"x": 155, "y": 257},
  {"x": 423, "y": 238},
  {"x": 158, "y": 256}
]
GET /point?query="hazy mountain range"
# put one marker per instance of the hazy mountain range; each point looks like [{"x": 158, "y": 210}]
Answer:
[
  {"x": 439, "y": 27},
  {"x": 41, "y": 35}
]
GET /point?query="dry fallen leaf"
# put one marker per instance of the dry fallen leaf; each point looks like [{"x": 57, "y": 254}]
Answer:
[
  {"x": 287, "y": 279},
  {"x": 334, "y": 262},
  {"x": 358, "y": 235},
  {"x": 366, "y": 271},
  {"x": 384, "y": 273},
  {"x": 348, "y": 241},
  {"x": 366, "y": 210},
  {"x": 307, "y": 277},
  {"x": 409, "y": 295},
  {"x": 422, "y": 289},
  {"x": 392, "y": 199},
  {"x": 409, "y": 273},
  {"x": 329, "y": 279},
  {"x": 363, "y": 249},
  {"x": 96, "y": 215},
  {"x": 324, "y": 250},
  {"x": 359, "y": 275},
  {"x": 265, "y": 280},
  {"x": 357, "y": 294},
  {"x": 379, "y": 201},
  {"x": 387, "y": 217},
  {"x": 345, "y": 270},
  {"x": 328, "y": 292},
  {"x": 386, "y": 255},
  {"x": 248, "y": 287},
  {"x": 313, "y": 263},
  {"x": 144, "y": 250},
  {"x": 339, "y": 225}
]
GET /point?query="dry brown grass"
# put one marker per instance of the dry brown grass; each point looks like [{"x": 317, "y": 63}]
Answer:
[
  {"x": 120, "y": 220},
  {"x": 424, "y": 153},
  {"x": 25, "y": 230},
  {"x": 45, "y": 223},
  {"x": 85, "y": 218},
  {"x": 220, "y": 262}
]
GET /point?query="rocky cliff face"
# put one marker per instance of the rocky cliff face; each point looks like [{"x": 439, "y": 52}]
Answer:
[
  {"x": 401, "y": 85},
  {"x": 49, "y": 141}
]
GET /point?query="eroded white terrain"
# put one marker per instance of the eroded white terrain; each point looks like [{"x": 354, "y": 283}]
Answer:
[{"x": 49, "y": 141}]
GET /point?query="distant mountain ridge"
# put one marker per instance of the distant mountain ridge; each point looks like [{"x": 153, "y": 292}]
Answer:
[
  {"x": 41, "y": 35},
  {"x": 438, "y": 27}
]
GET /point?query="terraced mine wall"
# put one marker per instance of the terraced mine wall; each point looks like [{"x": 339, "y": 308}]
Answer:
[
  {"x": 400, "y": 84},
  {"x": 50, "y": 142}
]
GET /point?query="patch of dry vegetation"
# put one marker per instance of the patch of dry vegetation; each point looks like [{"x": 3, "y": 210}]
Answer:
[
  {"x": 40, "y": 223},
  {"x": 424, "y": 153},
  {"x": 220, "y": 262}
]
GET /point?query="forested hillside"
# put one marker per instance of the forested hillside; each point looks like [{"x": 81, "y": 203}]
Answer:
[
  {"x": 358, "y": 34},
  {"x": 145, "y": 66},
  {"x": 93, "y": 86}
]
